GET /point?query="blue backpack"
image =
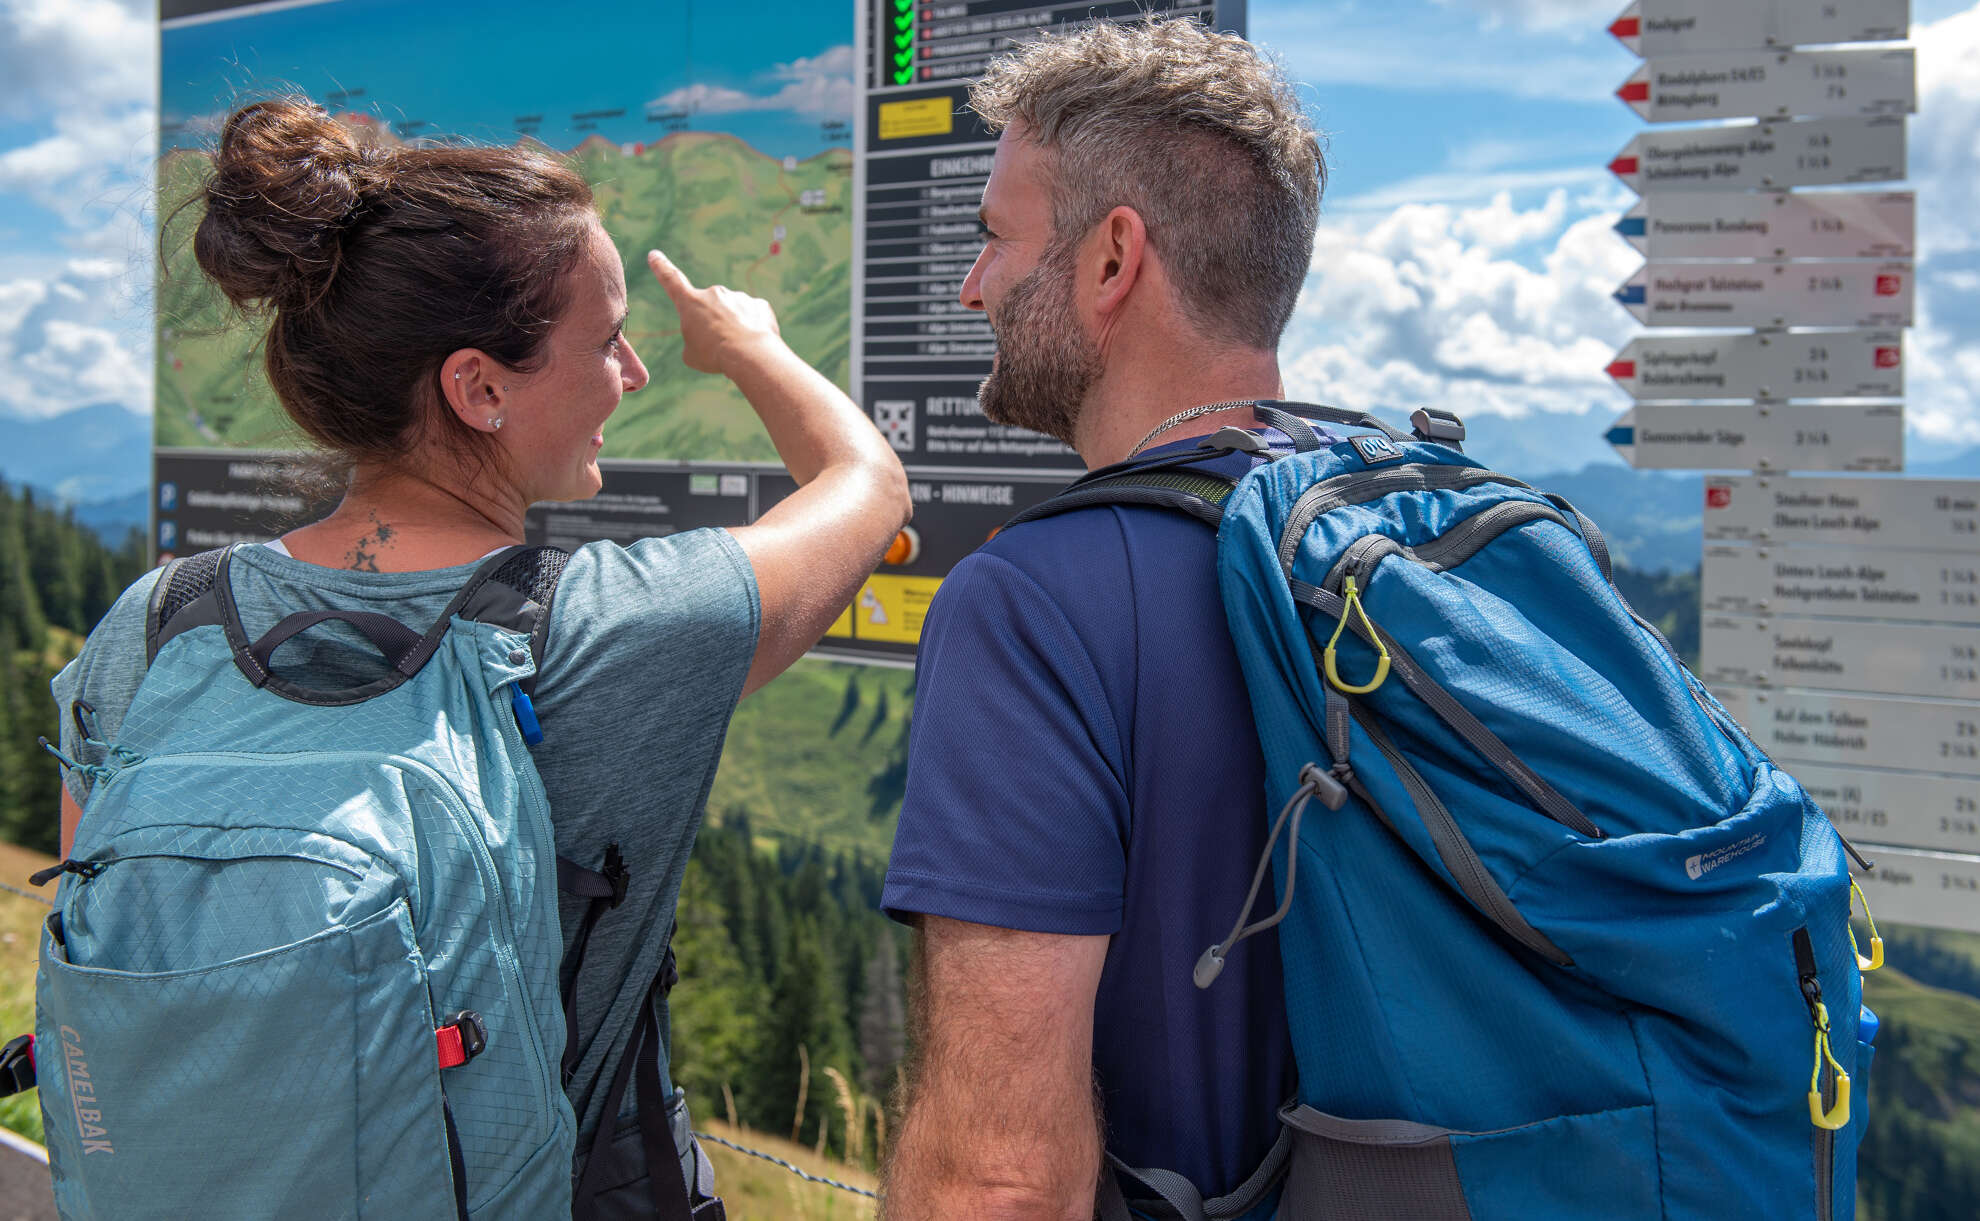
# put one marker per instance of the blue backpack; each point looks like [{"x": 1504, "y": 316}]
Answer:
[
  {"x": 304, "y": 957},
  {"x": 1559, "y": 940}
]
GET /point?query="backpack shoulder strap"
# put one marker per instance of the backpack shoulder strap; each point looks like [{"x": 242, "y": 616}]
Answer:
[
  {"x": 1167, "y": 482},
  {"x": 182, "y": 599},
  {"x": 514, "y": 589}
]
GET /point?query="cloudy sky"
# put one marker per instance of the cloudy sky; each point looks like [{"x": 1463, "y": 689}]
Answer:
[{"x": 1466, "y": 256}]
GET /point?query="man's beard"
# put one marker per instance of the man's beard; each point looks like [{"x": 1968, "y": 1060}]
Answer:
[{"x": 1045, "y": 362}]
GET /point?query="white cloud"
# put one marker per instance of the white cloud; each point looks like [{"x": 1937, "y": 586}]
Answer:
[
  {"x": 79, "y": 336},
  {"x": 1945, "y": 134},
  {"x": 91, "y": 158},
  {"x": 821, "y": 84},
  {"x": 55, "y": 54},
  {"x": 1423, "y": 306}
]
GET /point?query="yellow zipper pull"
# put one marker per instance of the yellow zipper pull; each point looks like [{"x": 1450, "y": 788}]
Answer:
[
  {"x": 1353, "y": 603},
  {"x": 1876, "y": 958}
]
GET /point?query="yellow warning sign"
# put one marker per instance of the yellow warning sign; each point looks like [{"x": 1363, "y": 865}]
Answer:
[
  {"x": 919, "y": 117},
  {"x": 842, "y": 627},
  {"x": 892, "y": 608}
]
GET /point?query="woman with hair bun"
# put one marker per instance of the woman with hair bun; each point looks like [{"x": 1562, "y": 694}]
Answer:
[{"x": 449, "y": 324}]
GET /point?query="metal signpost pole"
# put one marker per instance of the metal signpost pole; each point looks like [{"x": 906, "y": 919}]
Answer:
[{"x": 1839, "y": 615}]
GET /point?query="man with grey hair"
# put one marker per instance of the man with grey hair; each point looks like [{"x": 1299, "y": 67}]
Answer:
[{"x": 1084, "y": 792}]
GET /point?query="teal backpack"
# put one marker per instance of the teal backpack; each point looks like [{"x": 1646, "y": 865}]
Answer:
[{"x": 304, "y": 957}]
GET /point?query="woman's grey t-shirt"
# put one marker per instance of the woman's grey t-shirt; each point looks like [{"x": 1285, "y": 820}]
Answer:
[{"x": 645, "y": 660}]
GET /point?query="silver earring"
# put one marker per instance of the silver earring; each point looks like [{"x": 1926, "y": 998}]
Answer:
[{"x": 495, "y": 423}]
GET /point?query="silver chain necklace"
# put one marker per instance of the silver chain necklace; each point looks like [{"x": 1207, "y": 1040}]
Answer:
[{"x": 1184, "y": 417}]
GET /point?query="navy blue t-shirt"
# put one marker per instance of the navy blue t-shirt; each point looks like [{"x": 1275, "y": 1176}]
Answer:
[{"x": 1083, "y": 760}]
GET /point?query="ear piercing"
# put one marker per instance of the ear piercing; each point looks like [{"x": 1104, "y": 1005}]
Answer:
[{"x": 495, "y": 423}]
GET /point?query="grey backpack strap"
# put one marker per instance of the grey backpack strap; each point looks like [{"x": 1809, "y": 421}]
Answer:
[
  {"x": 1168, "y": 1196},
  {"x": 182, "y": 599}
]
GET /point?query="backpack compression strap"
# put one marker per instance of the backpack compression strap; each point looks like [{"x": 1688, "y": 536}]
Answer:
[{"x": 1166, "y": 482}]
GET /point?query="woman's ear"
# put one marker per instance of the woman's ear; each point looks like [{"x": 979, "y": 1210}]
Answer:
[{"x": 469, "y": 386}]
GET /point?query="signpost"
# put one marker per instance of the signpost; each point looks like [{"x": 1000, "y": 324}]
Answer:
[
  {"x": 1828, "y": 365},
  {"x": 1751, "y": 293},
  {"x": 1764, "y": 156},
  {"x": 1759, "y": 436},
  {"x": 1669, "y": 27},
  {"x": 1809, "y": 225},
  {"x": 1773, "y": 84},
  {"x": 1840, "y": 617}
]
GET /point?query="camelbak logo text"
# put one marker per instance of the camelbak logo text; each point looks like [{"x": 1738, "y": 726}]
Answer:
[
  {"x": 82, "y": 1095},
  {"x": 1698, "y": 866},
  {"x": 1375, "y": 449}
]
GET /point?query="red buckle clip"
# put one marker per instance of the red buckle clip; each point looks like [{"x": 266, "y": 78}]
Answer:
[{"x": 461, "y": 1039}]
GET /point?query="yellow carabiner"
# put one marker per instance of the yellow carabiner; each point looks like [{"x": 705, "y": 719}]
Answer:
[
  {"x": 1876, "y": 958},
  {"x": 1353, "y": 603},
  {"x": 1833, "y": 1118}
]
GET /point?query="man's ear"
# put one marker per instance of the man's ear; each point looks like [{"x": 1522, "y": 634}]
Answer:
[{"x": 1119, "y": 244}]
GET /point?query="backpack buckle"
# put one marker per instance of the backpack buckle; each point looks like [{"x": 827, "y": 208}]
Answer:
[
  {"x": 17, "y": 1066},
  {"x": 1435, "y": 424},
  {"x": 461, "y": 1039}
]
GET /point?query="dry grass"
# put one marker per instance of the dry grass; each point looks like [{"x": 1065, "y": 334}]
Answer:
[
  {"x": 755, "y": 1190},
  {"x": 20, "y": 931}
]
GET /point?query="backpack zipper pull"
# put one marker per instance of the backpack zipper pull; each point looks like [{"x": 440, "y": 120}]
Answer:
[
  {"x": 1352, "y": 603},
  {"x": 1834, "y": 1118},
  {"x": 1876, "y": 958}
]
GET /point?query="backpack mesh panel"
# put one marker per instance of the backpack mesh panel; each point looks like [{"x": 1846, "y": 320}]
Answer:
[
  {"x": 533, "y": 573},
  {"x": 190, "y": 580}
]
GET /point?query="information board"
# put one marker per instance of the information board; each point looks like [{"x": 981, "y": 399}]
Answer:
[
  {"x": 1780, "y": 365},
  {"x": 827, "y": 163},
  {"x": 1773, "y": 225},
  {"x": 1936, "y": 889},
  {"x": 919, "y": 353},
  {"x": 1868, "y": 582},
  {"x": 1928, "y": 514},
  {"x": 1876, "y": 805},
  {"x": 1666, "y": 27},
  {"x": 1773, "y": 84},
  {"x": 1764, "y": 156},
  {"x": 1932, "y": 660},
  {"x": 1749, "y": 436},
  {"x": 1881, "y": 731}
]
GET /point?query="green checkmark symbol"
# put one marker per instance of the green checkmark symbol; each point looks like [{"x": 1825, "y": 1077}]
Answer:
[
  {"x": 903, "y": 58},
  {"x": 904, "y": 22},
  {"x": 903, "y": 41},
  {"x": 903, "y": 76}
]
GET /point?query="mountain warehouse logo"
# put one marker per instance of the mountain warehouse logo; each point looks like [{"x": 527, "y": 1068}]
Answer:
[
  {"x": 1698, "y": 866},
  {"x": 82, "y": 1095}
]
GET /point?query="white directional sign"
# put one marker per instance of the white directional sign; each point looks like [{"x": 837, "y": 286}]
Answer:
[
  {"x": 1829, "y": 365},
  {"x": 1853, "y": 294},
  {"x": 1773, "y": 225},
  {"x": 1874, "y": 582},
  {"x": 1757, "y": 156},
  {"x": 1662, "y": 27},
  {"x": 1748, "y": 436},
  {"x": 1931, "y": 660},
  {"x": 1859, "y": 730},
  {"x": 1773, "y": 84},
  {"x": 1931, "y": 514},
  {"x": 1915, "y": 809},
  {"x": 1933, "y": 889}
]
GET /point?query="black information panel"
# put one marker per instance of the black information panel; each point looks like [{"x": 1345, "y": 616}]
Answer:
[
  {"x": 202, "y": 499},
  {"x": 919, "y": 353}
]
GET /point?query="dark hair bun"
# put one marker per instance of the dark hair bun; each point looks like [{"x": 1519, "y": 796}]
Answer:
[{"x": 288, "y": 180}]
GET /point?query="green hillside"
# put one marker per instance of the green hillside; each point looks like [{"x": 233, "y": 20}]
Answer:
[{"x": 715, "y": 205}]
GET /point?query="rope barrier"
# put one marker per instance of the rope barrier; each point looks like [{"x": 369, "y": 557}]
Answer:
[
  {"x": 44, "y": 900},
  {"x": 810, "y": 1178}
]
